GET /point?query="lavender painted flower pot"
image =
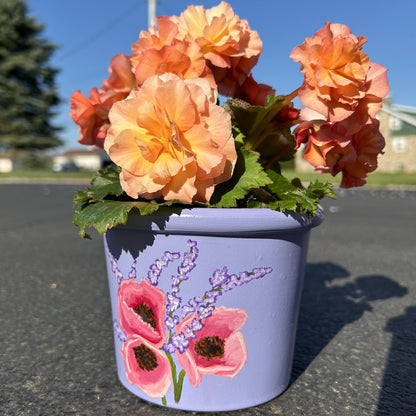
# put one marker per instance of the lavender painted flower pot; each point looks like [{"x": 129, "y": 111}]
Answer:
[{"x": 205, "y": 304}]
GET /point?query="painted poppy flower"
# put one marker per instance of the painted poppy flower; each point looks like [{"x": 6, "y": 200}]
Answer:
[
  {"x": 141, "y": 311},
  {"x": 218, "y": 348},
  {"x": 146, "y": 366}
]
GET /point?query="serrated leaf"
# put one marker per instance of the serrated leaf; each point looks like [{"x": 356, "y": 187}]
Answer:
[
  {"x": 106, "y": 182},
  {"x": 248, "y": 174},
  {"x": 293, "y": 196},
  {"x": 80, "y": 197},
  {"x": 103, "y": 215}
]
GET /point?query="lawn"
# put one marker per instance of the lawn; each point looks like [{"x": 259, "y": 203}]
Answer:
[
  {"x": 46, "y": 174},
  {"x": 377, "y": 179}
]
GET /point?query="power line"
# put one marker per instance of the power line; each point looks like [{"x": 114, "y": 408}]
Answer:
[{"x": 96, "y": 35}]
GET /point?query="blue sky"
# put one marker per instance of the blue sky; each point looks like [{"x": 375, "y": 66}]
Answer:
[{"x": 91, "y": 32}]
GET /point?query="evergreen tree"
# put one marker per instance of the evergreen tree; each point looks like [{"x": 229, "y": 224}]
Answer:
[{"x": 27, "y": 81}]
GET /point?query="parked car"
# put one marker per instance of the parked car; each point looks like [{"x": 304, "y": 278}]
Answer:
[{"x": 65, "y": 167}]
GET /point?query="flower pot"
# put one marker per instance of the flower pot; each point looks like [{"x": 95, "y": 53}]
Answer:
[{"x": 205, "y": 304}]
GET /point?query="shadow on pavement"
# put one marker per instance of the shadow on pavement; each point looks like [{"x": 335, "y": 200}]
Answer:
[
  {"x": 398, "y": 394},
  {"x": 326, "y": 307}
]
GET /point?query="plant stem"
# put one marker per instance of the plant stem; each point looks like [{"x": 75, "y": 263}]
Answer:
[
  {"x": 179, "y": 386},
  {"x": 291, "y": 96},
  {"x": 177, "y": 383}
]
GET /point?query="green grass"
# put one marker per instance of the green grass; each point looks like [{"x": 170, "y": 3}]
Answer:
[
  {"x": 45, "y": 174},
  {"x": 377, "y": 179}
]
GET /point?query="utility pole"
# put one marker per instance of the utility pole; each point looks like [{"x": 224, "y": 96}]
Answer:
[{"x": 151, "y": 12}]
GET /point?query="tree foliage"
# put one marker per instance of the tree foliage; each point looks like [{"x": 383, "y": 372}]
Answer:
[{"x": 27, "y": 81}]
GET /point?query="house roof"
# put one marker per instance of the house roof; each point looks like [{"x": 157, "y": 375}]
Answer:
[
  {"x": 83, "y": 152},
  {"x": 402, "y": 112}
]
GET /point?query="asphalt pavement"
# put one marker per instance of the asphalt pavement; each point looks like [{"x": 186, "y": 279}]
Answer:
[{"x": 356, "y": 345}]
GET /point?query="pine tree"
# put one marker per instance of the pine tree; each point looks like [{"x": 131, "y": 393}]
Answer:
[{"x": 27, "y": 81}]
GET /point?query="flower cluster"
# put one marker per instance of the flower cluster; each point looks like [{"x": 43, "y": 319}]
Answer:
[
  {"x": 158, "y": 115},
  {"x": 204, "y": 337},
  {"x": 342, "y": 93}
]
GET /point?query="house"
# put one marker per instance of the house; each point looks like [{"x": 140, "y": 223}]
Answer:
[
  {"x": 89, "y": 159},
  {"x": 398, "y": 126},
  {"x": 8, "y": 162}
]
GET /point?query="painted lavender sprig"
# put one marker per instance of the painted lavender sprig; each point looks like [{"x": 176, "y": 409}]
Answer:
[
  {"x": 118, "y": 330},
  {"x": 114, "y": 265},
  {"x": 204, "y": 305},
  {"x": 155, "y": 269},
  {"x": 173, "y": 301}
]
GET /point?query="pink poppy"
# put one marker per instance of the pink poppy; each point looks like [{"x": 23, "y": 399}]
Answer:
[
  {"x": 146, "y": 366},
  {"x": 141, "y": 311},
  {"x": 218, "y": 349}
]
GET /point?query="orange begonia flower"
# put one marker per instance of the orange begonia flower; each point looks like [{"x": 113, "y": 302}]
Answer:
[
  {"x": 171, "y": 140},
  {"x": 338, "y": 75},
  {"x": 91, "y": 113},
  {"x": 329, "y": 150},
  {"x": 226, "y": 41},
  {"x": 158, "y": 52},
  {"x": 368, "y": 143}
]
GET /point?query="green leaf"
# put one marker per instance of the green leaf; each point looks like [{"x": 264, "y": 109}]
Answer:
[
  {"x": 106, "y": 182},
  {"x": 103, "y": 215},
  {"x": 293, "y": 196},
  {"x": 248, "y": 174}
]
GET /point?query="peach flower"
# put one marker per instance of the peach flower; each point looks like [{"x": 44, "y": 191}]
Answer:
[
  {"x": 368, "y": 144},
  {"x": 141, "y": 310},
  {"x": 252, "y": 92},
  {"x": 146, "y": 366},
  {"x": 157, "y": 52},
  {"x": 376, "y": 87},
  {"x": 91, "y": 113},
  {"x": 336, "y": 72},
  {"x": 154, "y": 39},
  {"x": 329, "y": 150},
  {"x": 226, "y": 41},
  {"x": 218, "y": 348},
  {"x": 171, "y": 140},
  {"x": 121, "y": 79}
]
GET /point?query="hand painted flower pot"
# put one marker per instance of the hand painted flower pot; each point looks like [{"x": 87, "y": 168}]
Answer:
[{"x": 205, "y": 304}]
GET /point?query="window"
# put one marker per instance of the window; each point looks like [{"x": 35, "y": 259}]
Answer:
[
  {"x": 395, "y": 123},
  {"x": 399, "y": 144}
]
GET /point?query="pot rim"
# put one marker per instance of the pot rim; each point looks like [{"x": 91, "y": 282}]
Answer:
[{"x": 225, "y": 221}]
